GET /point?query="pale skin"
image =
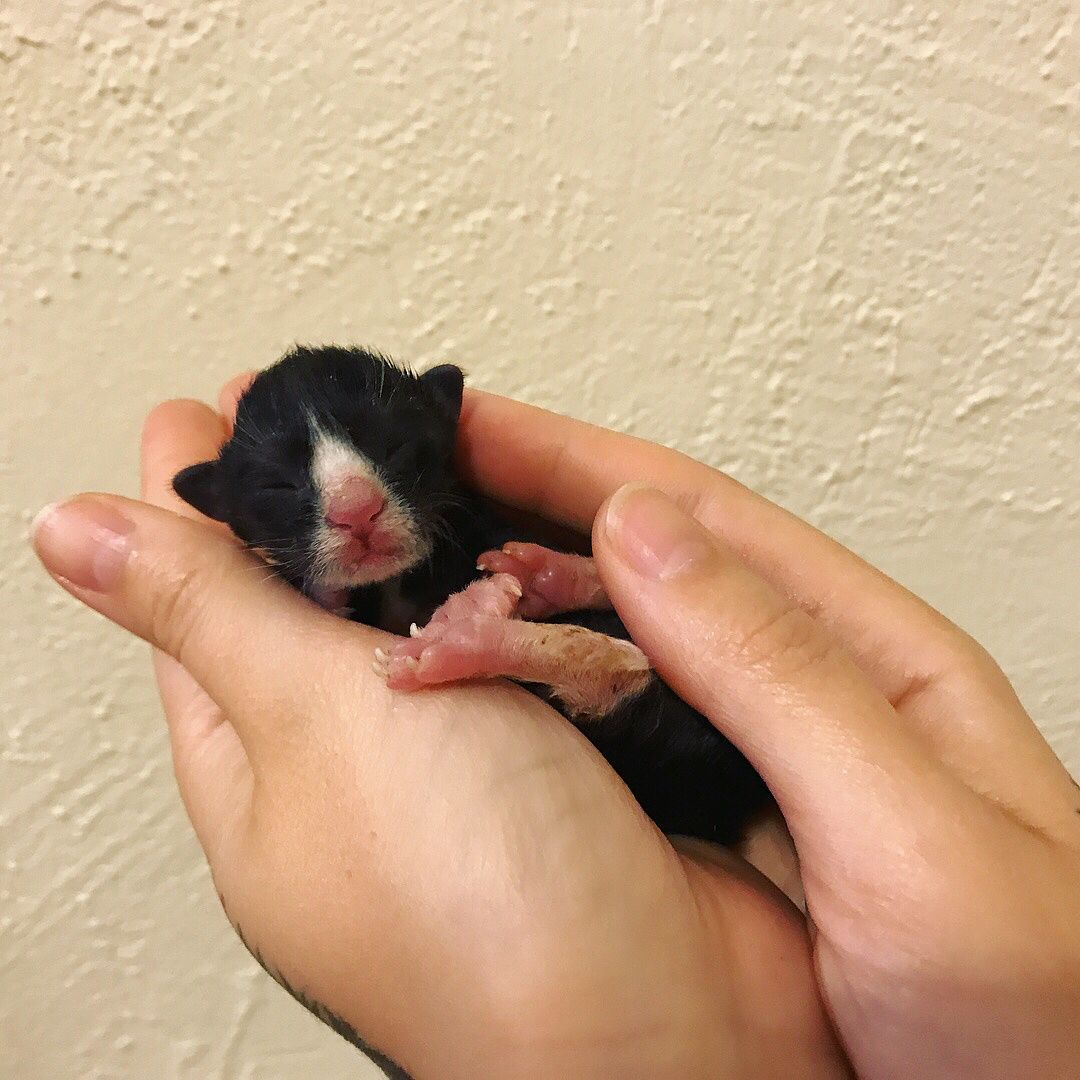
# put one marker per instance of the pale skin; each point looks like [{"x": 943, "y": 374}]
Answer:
[{"x": 459, "y": 876}]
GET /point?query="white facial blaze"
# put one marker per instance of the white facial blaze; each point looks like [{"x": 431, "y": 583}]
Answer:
[{"x": 334, "y": 463}]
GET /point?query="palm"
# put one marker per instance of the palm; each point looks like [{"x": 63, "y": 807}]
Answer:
[{"x": 660, "y": 955}]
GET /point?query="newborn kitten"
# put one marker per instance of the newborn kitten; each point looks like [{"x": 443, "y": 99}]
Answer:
[{"x": 340, "y": 471}]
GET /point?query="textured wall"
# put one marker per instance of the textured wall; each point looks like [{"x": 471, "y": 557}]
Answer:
[{"x": 830, "y": 246}]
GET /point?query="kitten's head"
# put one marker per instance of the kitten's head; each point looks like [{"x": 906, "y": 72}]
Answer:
[{"x": 339, "y": 468}]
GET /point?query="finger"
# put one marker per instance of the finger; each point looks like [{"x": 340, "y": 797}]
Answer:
[
  {"x": 231, "y": 393},
  {"x": 565, "y": 469},
  {"x": 244, "y": 635},
  {"x": 822, "y": 736},
  {"x": 177, "y": 434},
  {"x": 543, "y": 463}
]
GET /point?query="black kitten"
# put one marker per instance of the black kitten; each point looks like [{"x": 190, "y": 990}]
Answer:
[{"x": 340, "y": 470}]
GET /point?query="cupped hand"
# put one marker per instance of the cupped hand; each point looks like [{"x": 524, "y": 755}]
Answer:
[
  {"x": 454, "y": 874},
  {"x": 938, "y": 835}
]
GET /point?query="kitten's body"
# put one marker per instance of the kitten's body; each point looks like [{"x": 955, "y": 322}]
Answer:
[{"x": 328, "y": 430}]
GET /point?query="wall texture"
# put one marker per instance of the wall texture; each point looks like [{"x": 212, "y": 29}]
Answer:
[{"x": 830, "y": 246}]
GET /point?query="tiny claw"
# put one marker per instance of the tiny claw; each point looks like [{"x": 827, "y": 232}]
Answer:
[
  {"x": 515, "y": 587},
  {"x": 414, "y": 630},
  {"x": 382, "y": 655},
  {"x": 411, "y": 663},
  {"x": 379, "y": 668}
]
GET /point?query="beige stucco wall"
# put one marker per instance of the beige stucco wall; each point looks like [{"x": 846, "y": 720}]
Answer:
[{"x": 830, "y": 246}]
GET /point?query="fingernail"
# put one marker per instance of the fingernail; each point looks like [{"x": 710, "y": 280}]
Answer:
[
  {"x": 84, "y": 540},
  {"x": 652, "y": 534}
]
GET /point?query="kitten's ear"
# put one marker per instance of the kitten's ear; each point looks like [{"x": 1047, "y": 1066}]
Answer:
[
  {"x": 201, "y": 486},
  {"x": 446, "y": 383}
]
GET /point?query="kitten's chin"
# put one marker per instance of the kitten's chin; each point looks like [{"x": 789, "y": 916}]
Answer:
[{"x": 370, "y": 569}]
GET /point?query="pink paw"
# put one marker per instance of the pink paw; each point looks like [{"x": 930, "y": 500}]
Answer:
[
  {"x": 474, "y": 635},
  {"x": 495, "y": 597},
  {"x": 449, "y": 651},
  {"x": 551, "y": 581},
  {"x": 465, "y": 638}
]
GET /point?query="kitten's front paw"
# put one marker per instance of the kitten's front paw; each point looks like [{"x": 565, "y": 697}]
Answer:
[
  {"x": 463, "y": 640},
  {"x": 551, "y": 582},
  {"x": 450, "y": 650},
  {"x": 495, "y": 597}
]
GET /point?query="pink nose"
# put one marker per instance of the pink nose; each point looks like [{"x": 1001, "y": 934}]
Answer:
[{"x": 355, "y": 509}]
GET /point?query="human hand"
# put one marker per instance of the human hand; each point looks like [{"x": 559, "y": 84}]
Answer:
[
  {"x": 455, "y": 874},
  {"x": 939, "y": 836}
]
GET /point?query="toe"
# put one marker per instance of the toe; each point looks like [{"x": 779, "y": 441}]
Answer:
[
  {"x": 531, "y": 555},
  {"x": 402, "y": 673},
  {"x": 498, "y": 562}
]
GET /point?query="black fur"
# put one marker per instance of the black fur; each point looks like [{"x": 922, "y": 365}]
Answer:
[{"x": 683, "y": 772}]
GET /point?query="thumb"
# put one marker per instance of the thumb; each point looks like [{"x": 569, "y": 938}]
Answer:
[
  {"x": 194, "y": 594},
  {"x": 758, "y": 666}
]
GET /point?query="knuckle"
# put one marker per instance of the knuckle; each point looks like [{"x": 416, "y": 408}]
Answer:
[
  {"x": 964, "y": 656},
  {"x": 175, "y": 612},
  {"x": 787, "y": 642}
]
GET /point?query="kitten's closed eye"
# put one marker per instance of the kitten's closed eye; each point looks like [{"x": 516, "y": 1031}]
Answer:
[
  {"x": 280, "y": 485},
  {"x": 403, "y": 461}
]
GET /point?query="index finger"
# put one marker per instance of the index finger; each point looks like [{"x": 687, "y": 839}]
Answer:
[{"x": 560, "y": 468}]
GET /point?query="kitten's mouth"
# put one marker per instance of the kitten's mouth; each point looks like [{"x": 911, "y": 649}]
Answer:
[
  {"x": 358, "y": 551},
  {"x": 348, "y": 562}
]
